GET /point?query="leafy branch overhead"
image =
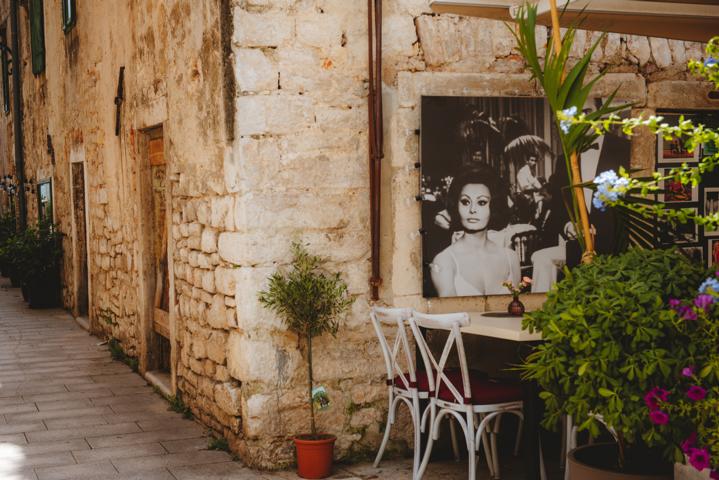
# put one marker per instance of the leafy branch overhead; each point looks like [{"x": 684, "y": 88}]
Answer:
[{"x": 566, "y": 89}]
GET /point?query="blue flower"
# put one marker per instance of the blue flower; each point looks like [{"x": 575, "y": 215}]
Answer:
[
  {"x": 566, "y": 117},
  {"x": 710, "y": 283},
  {"x": 711, "y": 62},
  {"x": 610, "y": 188}
]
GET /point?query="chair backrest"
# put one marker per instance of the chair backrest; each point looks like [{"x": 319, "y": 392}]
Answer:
[
  {"x": 398, "y": 318},
  {"x": 436, "y": 369}
]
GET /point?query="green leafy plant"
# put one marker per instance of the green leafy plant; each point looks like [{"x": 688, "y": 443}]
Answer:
[
  {"x": 310, "y": 301},
  {"x": 178, "y": 406},
  {"x": 218, "y": 443},
  {"x": 684, "y": 411},
  {"x": 610, "y": 338},
  {"x": 635, "y": 194},
  {"x": 567, "y": 89},
  {"x": 118, "y": 353}
]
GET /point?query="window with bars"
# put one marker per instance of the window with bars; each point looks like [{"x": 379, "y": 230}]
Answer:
[
  {"x": 37, "y": 35},
  {"x": 69, "y": 15}
]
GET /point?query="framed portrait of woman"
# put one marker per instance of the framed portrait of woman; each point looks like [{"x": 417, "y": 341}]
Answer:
[{"x": 493, "y": 196}]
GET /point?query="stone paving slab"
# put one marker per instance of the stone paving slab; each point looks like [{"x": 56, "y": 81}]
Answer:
[{"x": 68, "y": 412}]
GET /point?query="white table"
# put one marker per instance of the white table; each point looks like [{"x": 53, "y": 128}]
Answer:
[{"x": 499, "y": 325}]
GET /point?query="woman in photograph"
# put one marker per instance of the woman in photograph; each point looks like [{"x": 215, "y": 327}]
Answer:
[{"x": 473, "y": 264}]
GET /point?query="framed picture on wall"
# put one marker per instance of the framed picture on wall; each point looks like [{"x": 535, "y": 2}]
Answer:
[
  {"x": 712, "y": 252},
  {"x": 493, "y": 208},
  {"x": 674, "y": 151},
  {"x": 711, "y": 206},
  {"x": 676, "y": 192},
  {"x": 695, "y": 253},
  {"x": 679, "y": 234}
]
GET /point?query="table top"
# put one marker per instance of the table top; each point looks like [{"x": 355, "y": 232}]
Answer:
[{"x": 496, "y": 325}]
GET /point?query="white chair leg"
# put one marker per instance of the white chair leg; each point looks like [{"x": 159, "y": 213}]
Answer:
[
  {"x": 488, "y": 452},
  {"x": 469, "y": 439},
  {"x": 542, "y": 469},
  {"x": 417, "y": 439},
  {"x": 495, "y": 453},
  {"x": 430, "y": 443},
  {"x": 387, "y": 428},
  {"x": 518, "y": 441},
  {"x": 453, "y": 434}
]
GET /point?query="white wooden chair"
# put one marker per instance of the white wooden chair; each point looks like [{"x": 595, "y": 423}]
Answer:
[
  {"x": 472, "y": 399},
  {"x": 404, "y": 383}
]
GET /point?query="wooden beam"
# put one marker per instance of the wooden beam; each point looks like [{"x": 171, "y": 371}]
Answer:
[{"x": 689, "y": 20}]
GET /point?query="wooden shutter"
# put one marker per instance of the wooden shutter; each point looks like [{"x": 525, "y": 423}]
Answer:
[{"x": 37, "y": 36}]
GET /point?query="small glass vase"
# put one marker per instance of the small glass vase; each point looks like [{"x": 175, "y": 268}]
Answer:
[{"x": 515, "y": 307}]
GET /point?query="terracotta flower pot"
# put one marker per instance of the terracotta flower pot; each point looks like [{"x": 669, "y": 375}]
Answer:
[
  {"x": 314, "y": 455},
  {"x": 594, "y": 462}
]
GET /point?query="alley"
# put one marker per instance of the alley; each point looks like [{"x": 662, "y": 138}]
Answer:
[{"x": 68, "y": 411}]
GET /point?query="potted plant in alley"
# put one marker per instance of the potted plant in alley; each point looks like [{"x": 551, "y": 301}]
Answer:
[
  {"x": 41, "y": 270},
  {"x": 310, "y": 301},
  {"x": 610, "y": 338},
  {"x": 7, "y": 231}
]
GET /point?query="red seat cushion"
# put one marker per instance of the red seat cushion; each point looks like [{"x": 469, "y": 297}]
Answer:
[
  {"x": 485, "y": 391},
  {"x": 423, "y": 381}
]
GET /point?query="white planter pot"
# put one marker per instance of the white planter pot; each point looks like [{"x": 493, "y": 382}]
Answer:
[{"x": 687, "y": 472}]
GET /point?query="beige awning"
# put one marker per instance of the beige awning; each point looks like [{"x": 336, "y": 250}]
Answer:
[{"x": 692, "y": 20}]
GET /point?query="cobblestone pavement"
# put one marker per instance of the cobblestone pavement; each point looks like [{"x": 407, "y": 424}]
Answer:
[{"x": 68, "y": 411}]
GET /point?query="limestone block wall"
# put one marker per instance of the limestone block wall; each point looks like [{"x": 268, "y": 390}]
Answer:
[{"x": 301, "y": 172}]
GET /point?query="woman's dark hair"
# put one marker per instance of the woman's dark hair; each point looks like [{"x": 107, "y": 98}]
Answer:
[{"x": 484, "y": 175}]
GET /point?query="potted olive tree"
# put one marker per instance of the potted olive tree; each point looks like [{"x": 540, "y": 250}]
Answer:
[
  {"x": 310, "y": 301},
  {"x": 610, "y": 339}
]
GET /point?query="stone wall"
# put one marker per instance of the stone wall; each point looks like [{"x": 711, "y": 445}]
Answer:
[
  {"x": 300, "y": 146},
  {"x": 263, "y": 109}
]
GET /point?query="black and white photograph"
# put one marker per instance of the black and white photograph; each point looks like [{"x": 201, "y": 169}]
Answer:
[
  {"x": 493, "y": 189},
  {"x": 711, "y": 206}
]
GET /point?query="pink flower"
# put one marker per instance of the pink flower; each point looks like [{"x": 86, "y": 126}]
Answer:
[
  {"x": 657, "y": 417},
  {"x": 689, "y": 442},
  {"x": 699, "y": 458},
  {"x": 714, "y": 474},
  {"x": 688, "y": 371},
  {"x": 674, "y": 303},
  {"x": 653, "y": 397},
  {"x": 696, "y": 393},
  {"x": 687, "y": 313},
  {"x": 703, "y": 301}
]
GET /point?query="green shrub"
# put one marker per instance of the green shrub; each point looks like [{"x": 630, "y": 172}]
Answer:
[{"x": 610, "y": 338}]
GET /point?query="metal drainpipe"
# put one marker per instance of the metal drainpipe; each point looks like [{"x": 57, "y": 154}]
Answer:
[
  {"x": 375, "y": 134},
  {"x": 17, "y": 112}
]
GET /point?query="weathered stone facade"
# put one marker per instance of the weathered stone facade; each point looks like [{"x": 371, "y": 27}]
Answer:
[{"x": 263, "y": 109}]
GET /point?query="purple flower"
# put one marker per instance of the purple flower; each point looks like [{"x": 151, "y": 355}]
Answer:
[
  {"x": 653, "y": 397},
  {"x": 674, "y": 303},
  {"x": 658, "y": 417},
  {"x": 714, "y": 474},
  {"x": 703, "y": 300},
  {"x": 696, "y": 393},
  {"x": 699, "y": 458},
  {"x": 711, "y": 62},
  {"x": 688, "y": 371},
  {"x": 687, "y": 313},
  {"x": 689, "y": 443}
]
